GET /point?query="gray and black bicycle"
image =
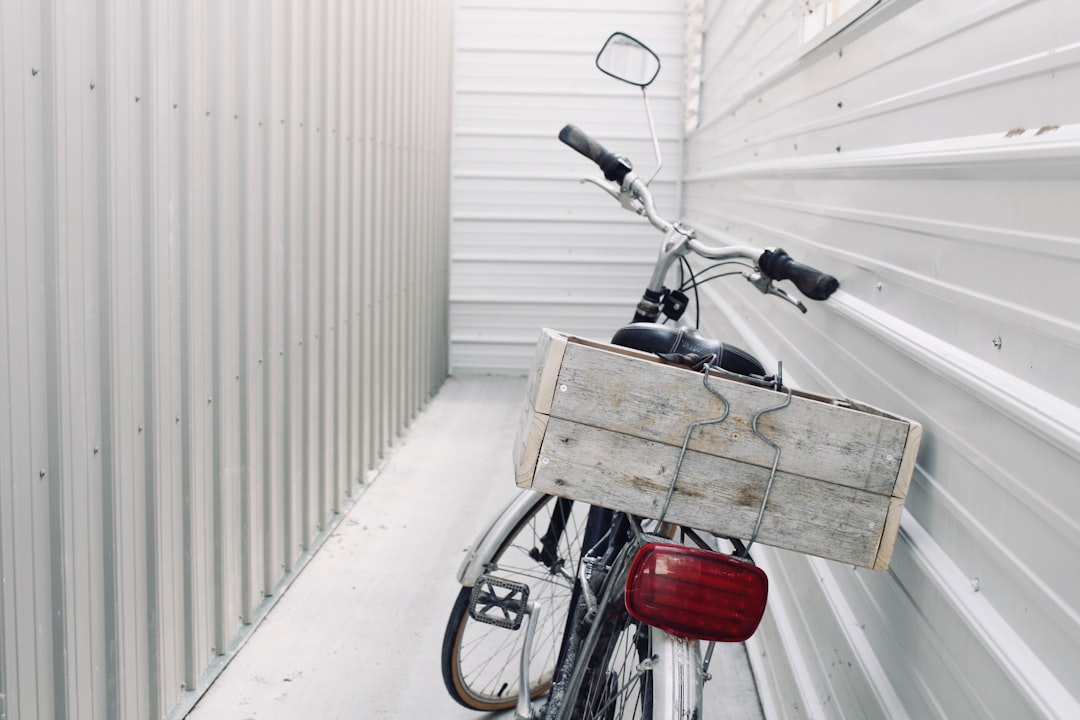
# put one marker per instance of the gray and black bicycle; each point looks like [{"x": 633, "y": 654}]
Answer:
[{"x": 574, "y": 611}]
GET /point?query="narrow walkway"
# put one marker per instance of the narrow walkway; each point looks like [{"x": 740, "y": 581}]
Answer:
[{"x": 359, "y": 633}]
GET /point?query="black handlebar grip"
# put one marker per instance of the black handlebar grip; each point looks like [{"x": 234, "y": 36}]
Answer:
[
  {"x": 814, "y": 284},
  {"x": 614, "y": 167}
]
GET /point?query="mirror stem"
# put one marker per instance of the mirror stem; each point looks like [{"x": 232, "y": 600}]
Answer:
[{"x": 652, "y": 133}]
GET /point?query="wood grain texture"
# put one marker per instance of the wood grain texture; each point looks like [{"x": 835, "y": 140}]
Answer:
[
  {"x": 656, "y": 401},
  {"x": 546, "y": 368},
  {"x": 716, "y": 494},
  {"x": 605, "y": 425}
]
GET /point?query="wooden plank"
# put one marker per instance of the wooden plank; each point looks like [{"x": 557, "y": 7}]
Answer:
[
  {"x": 654, "y": 401},
  {"x": 530, "y": 435},
  {"x": 907, "y": 464},
  {"x": 717, "y": 494},
  {"x": 888, "y": 535},
  {"x": 546, "y": 366}
]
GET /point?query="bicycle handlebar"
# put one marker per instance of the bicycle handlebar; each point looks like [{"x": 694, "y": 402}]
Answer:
[
  {"x": 814, "y": 284},
  {"x": 614, "y": 167},
  {"x": 774, "y": 264}
]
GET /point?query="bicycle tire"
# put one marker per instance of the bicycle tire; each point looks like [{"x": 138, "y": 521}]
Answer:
[{"x": 481, "y": 662}]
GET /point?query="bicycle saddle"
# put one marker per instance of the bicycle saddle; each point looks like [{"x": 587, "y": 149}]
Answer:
[{"x": 689, "y": 343}]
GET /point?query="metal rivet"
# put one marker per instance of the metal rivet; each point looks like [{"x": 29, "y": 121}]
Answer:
[
  {"x": 997, "y": 342},
  {"x": 976, "y": 584},
  {"x": 562, "y": 388},
  {"x": 140, "y": 428},
  {"x": 42, "y": 473},
  {"x": 33, "y": 72},
  {"x": 96, "y": 449},
  {"x": 544, "y": 461},
  {"x": 879, "y": 286},
  {"x": 92, "y": 85}
]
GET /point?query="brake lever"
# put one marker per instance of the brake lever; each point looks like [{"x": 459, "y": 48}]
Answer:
[
  {"x": 628, "y": 201},
  {"x": 765, "y": 285}
]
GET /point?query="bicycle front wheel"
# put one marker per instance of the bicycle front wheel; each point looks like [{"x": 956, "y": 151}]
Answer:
[{"x": 481, "y": 662}]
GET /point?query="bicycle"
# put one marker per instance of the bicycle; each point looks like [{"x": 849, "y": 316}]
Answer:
[{"x": 588, "y": 606}]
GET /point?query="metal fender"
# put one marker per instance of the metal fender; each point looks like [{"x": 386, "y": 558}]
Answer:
[
  {"x": 677, "y": 681},
  {"x": 488, "y": 542}
]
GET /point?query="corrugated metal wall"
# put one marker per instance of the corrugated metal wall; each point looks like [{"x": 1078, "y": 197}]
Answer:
[
  {"x": 929, "y": 155},
  {"x": 531, "y": 247},
  {"x": 223, "y": 272}
]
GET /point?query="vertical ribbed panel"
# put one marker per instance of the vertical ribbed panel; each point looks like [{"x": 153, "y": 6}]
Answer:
[
  {"x": 223, "y": 281},
  {"x": 532, "y": 247},
  {"x": 927, "y": 155}
]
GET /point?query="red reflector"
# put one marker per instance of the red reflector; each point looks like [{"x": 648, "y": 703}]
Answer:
[{"x": 696, "y": 593}]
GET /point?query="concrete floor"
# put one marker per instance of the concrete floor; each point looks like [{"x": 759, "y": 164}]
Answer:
[{"x": 359, "y": 632}]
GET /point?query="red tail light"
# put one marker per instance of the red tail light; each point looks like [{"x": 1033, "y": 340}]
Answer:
[{"x": 696, "y": 593}]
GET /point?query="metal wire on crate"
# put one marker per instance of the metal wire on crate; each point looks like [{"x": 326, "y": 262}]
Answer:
[
  {"x": 686, "y": 440},
  {"x": 772, "y": 473},
  {"x": 778, "y": 385}
]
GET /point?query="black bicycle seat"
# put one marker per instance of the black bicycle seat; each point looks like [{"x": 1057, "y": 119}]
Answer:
[{"x": 688, "y": 343}]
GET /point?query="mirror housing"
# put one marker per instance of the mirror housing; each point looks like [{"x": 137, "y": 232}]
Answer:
[{"x": 628, "y": 59}]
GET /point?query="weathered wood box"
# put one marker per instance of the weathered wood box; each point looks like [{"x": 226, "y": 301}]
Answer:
[{"x": 606, "y": 424}]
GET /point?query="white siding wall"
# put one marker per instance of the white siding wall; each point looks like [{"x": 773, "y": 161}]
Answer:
[
  {"x": 223, "y": 263},
  {"x": 530, "y": 246},
  {"x": 929, "y": 156}
]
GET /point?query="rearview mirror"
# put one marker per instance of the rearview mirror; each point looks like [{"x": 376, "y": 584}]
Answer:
[{"x": 629, "y": 60}]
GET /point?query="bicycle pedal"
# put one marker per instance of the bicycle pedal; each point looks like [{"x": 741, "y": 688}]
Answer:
[{"x": 499, "y": 602}]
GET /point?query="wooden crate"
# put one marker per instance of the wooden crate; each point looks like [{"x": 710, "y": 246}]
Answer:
[{"x": 605, "y": 425}]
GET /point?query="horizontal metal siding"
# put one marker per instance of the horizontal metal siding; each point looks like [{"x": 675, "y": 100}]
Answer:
[
  {"x": 927, "y": 156},
  {"x": 223, "y": 279},
  {"x": 531, "y": 246}
]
